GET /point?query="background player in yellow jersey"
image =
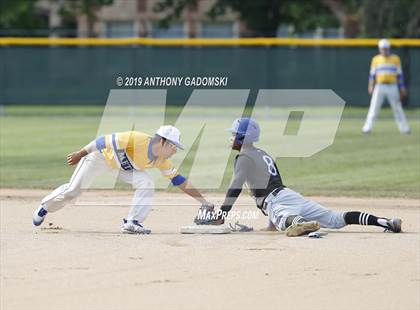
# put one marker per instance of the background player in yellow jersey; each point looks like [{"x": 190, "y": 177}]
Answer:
[
  {"x": 132, "y": 153},
  {"x": 386, "y": 80}
]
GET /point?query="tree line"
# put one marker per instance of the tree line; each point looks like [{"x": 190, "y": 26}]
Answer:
[{"x": 262, "y": 18}]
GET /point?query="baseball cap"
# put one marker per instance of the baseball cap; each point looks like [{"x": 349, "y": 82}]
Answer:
[
  {"x": 245, "y": 129},
  {"x": 384, "y": 43},
  {"x": 170, "y": 133}
]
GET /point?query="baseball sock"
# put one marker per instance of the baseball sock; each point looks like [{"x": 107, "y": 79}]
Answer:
[{"x": 361, "y": 218}]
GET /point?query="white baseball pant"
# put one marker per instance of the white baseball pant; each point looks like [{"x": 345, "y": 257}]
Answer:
[
  {"x": 90, "y": 167},
  {"x": 391, "y": 92}
]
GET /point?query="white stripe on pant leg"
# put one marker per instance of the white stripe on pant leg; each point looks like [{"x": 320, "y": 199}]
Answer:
[
  {"x": 367, "y": 220},
  {"x": 360, "y": 218}
]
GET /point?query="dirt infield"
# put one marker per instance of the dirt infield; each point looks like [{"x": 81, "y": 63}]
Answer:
[{"x": 79, "y": 260}]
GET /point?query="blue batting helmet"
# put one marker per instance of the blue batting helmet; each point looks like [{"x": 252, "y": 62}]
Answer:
[{"x": 246, "y": 130}]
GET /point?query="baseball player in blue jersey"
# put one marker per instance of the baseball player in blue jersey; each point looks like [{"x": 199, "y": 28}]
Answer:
[{"x": 286, "y": 209}]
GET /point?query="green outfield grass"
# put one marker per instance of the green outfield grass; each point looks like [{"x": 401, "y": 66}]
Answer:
[{"x": 35, "y": 141}]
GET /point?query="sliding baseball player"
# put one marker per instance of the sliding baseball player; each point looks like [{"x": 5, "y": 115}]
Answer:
[
  {"x": 287, "y": 210},
  {"x": 132, "y": 153}
]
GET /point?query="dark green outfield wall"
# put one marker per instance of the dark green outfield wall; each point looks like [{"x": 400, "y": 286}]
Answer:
[{"x": 84, "y": 75}]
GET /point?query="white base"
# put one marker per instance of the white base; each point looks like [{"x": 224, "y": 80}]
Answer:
[{"x": 204, "y": 229}]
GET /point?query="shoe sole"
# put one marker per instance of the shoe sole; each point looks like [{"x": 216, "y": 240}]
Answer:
[
  {"x": 301, "y": 229},
  {"x": 397, "y": 225}
]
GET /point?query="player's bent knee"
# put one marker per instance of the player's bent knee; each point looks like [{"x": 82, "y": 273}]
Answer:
[
  {"x": 336, "y": 220},
  {"x": 71, "y": 192}
]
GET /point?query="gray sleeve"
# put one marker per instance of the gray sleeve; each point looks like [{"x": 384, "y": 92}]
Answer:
[{"x": 243, "y": 168}]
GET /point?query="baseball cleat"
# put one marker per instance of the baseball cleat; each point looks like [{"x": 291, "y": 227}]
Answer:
[
  {"x": 394, "y": 225},
  {"x": 39, "y": 216},
  {"x": 300, "y": 229},
  {"x": 134, "y": 227}
]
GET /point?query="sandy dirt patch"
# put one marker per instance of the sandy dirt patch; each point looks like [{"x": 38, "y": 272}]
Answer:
[{"x": 79, "y": 260}]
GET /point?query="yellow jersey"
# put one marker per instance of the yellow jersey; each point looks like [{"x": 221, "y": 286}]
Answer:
[
  {"x": 133, "y": 150},
  {"x": 386, "y": 70}
]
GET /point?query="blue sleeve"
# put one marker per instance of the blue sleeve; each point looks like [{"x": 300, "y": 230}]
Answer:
[
  {"x": 400, "y": 78},
  {"x": 100, "y": 143},
  {"x": 178, "y": 180}
]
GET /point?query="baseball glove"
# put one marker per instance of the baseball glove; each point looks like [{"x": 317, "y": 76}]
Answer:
[{"x": 206, "y": 214}]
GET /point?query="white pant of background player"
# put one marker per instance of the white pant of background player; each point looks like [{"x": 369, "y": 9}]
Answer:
[
  {"x": 391, "y": 92},
  {"x": 91, "y": 167},
  {"x": 287, "y": 203}
]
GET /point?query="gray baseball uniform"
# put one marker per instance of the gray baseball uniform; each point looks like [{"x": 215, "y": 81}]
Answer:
[{"x": 258, "y": 171}]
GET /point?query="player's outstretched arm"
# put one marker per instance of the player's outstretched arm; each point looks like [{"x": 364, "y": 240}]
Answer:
[
  {"x": 74, "y": 157},
  {"x": 190, "y": 190},
  {"x": 206, "y": 210}
]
